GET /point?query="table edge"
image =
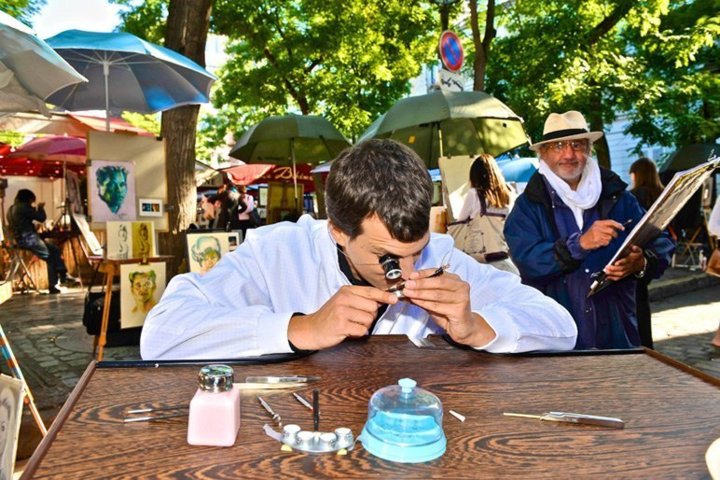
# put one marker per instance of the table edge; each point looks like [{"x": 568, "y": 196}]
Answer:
[{"x": 40, "y": 451}]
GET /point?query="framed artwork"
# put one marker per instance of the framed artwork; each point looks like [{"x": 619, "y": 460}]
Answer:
[
  {"x": 11, "y": 397},
  {"x": 143, "y": 239},
  {"x": 72, "y": 192},
  {"x": 111, "y": 190},
  {"x": 205, "y": 250},
  {"x": 119, "y": 240},
  {"x": 234, "y": 239},
  {"x": 141, "y": 287},
  {"x": 150, "y": 207},
  {"x": 89, "y": 236},
  {"x": 262, "y": 196}
]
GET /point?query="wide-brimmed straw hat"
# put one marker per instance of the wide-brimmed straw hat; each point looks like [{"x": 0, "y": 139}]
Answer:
[{"x": 565, "y": 126}]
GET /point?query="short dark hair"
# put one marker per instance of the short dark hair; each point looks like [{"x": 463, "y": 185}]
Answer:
[
  {"x": 25, "y": 196},
  {"x": 380, "y": 177}
]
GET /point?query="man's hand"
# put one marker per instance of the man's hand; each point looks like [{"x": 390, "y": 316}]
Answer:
[
  {"x": 447, "y": 299},
  {"x": 41, "y": 205},
  {"x": 600, "y": 234},
  {"x": 348, "y": 313},
  {"x": 632, "y": 263}
]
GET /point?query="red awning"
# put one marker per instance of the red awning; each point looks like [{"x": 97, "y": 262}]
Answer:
[
  {"x": 116, "y": 124},
  {"x": 36, "y": 168},
  {"x": 253, "y": 174}
]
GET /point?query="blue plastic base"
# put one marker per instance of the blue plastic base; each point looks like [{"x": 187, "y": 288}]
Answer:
[{"x": 394, "y": 453}]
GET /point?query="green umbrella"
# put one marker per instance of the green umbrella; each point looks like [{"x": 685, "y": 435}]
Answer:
[
  {"x": 450, "y": 123},
  {"x": 289, "y": 139}
]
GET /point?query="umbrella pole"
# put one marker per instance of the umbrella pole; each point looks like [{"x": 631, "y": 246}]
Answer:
[
  {"x": 440, "y": 140},
  {"x": 106, "y": 74},
  {"x": 292, "y": 155}
]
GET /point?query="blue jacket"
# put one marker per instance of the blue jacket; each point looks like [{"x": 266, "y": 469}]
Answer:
[{"x": 544, "y": 244}]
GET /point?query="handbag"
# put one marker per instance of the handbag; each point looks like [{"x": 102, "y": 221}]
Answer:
[
  {"x": 482, "y": 236},
  {"x": 92, "y": 318},
  {"x": 713, "y": 263}
]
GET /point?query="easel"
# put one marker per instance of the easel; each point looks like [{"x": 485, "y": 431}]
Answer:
[
  {"x": 111, "y": 269},
  {"x": 12, "y": 363}
]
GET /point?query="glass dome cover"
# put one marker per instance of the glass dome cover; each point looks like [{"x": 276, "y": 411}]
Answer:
[{"x": 404, "y": 424}]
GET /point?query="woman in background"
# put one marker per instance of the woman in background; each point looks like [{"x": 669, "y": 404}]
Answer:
[
  {"x": 646, "y": 186},
  {"x": 489, "y": 195}
]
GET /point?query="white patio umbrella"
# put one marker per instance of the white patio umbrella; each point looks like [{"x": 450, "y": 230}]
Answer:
[{"x": 30, "y": 70}]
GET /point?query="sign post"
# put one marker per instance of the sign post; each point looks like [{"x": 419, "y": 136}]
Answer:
[
  {"x": 452, "y": 56},
  {"x": 451, "y": 51}
]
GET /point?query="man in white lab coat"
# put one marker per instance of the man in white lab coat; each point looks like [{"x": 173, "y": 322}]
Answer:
[{"x": 309, "y": 285}]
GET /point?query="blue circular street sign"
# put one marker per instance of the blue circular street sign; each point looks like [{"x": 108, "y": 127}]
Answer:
[{"x": 451, "y": 51}]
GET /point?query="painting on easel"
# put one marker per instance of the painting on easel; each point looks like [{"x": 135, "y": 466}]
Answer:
[
  {"x": 111, "y": 191},
  {"x": 11, "y": 397},
  {"x": 141, "y": 287}
]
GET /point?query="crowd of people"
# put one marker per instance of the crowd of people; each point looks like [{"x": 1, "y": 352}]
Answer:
[
  {"x": 528, "y": 290},
  {"x": 231, "y": 208},
  {"x": 561, "y": 234}
]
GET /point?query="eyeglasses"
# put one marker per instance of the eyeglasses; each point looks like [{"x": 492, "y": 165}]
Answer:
[{"x": 575, "y": 145}]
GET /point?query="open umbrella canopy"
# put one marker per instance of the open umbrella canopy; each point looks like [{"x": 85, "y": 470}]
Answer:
[
  {"x": 72, "y": 124},
  {"x": 280, "y": 140},
  {"x": 37, "y": 168},
  {"x": 450, "y": 123},
  {"x": 127, "y": 73},
  {"x": 519, "y": 169},
  {"x": 30, "y": 70},
  {"x": 689, "y": 156},
  {"x": 53, "y": 147}
]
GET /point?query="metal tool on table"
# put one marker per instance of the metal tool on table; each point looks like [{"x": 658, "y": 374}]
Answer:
[
  {"x": 154, "y": 416},
  {"x": 302, "y": 400},
  {"x": 577, "y": 418},
  {"x": 276, "y": 418},
  {"x": 271, "y": 379}
]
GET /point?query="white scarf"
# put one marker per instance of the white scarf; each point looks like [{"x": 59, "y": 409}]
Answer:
[{"x": 585, "y": 196}]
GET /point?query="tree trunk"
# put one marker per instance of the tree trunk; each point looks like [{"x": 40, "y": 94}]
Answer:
[
  {"x": 187, "y": 28},
  {"x": 482, "y": 46},
  {"x": 602, "y": 149}
]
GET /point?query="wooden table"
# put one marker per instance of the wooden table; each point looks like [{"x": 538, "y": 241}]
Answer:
[
  {"x": 111, "y": 269},
  {"x": 670, "y": 410}
]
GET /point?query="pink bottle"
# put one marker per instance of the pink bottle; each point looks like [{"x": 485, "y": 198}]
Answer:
[{"x": 215, "y": 408}]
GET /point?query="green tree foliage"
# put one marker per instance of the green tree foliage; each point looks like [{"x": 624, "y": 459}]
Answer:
[
  {"x": 346, "y": 60},
  {"x": 650, "y": 58},
  {"x": 145, "y": 19},
  {"x": 22, "y": 9}
]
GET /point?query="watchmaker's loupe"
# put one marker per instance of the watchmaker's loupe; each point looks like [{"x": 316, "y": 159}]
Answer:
[{"x": 391, "y": 266}]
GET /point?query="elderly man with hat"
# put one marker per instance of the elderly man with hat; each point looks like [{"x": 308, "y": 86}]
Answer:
[{"x": 567, "y": 225}]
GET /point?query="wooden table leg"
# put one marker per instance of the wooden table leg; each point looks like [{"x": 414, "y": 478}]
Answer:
[{"x": 102, "y": 340}]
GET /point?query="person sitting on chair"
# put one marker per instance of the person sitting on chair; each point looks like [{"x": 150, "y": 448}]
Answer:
[{"x": 20, "y": 217}]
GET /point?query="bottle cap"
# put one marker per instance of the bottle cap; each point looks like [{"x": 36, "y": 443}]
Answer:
[{"x": 216, "y": 378}]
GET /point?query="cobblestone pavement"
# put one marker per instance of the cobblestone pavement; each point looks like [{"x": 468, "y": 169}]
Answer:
[{"x": 53, "y": 349}]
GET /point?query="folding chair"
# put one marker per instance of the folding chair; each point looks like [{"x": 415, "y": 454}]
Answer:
[
  {"x": 18, "y": 270},
  {"x": 689, "y": 251}
]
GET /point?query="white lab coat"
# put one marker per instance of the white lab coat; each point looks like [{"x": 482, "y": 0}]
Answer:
[{"x": 242, "y": 307}]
